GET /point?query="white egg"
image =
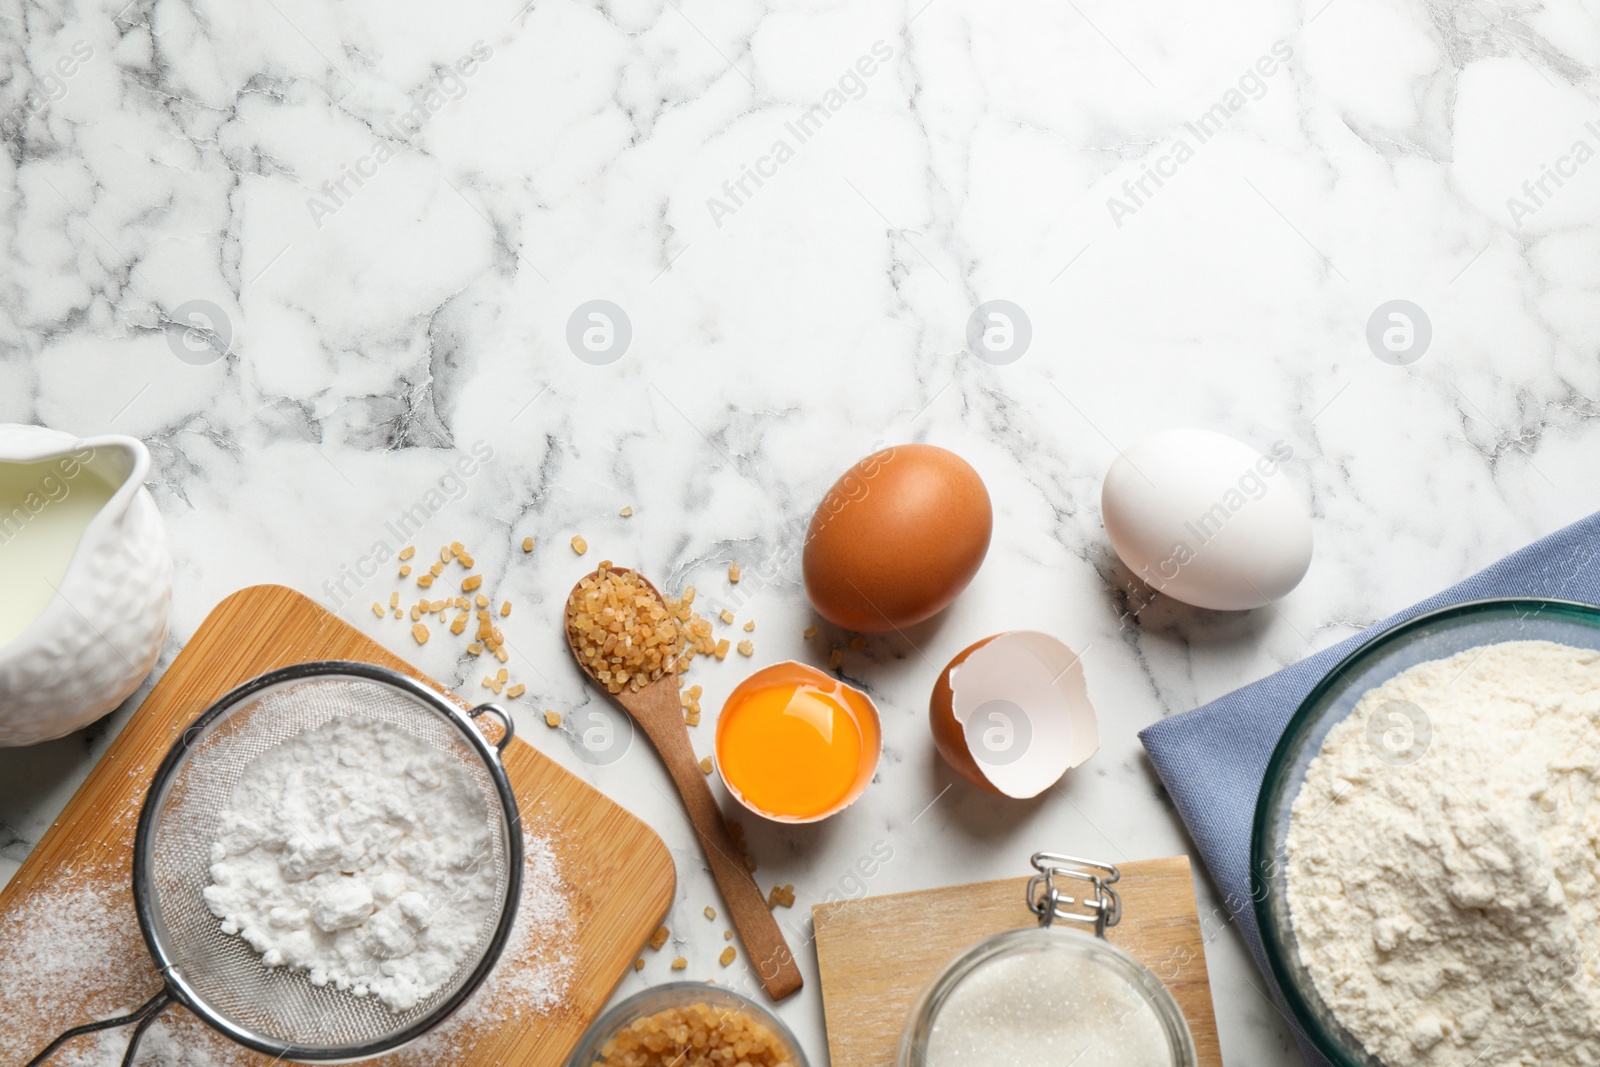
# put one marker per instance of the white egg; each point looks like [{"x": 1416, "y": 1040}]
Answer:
[{"x": 1208, "y": 520}]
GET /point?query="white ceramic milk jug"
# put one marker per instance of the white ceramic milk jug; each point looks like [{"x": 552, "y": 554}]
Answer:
[{"x": 85, "y": 579}]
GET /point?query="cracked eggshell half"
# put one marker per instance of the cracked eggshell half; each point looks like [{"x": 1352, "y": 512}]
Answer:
[
  {"x": 1011, "y": 714},
  {"x": 1208, "y": 520}
]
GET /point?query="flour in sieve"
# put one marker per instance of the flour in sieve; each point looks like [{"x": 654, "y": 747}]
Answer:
[
  {"x": 357, "y": 853},
  {"x": 1448, "y": 907}
]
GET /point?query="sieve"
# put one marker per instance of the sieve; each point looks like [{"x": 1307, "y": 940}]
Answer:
[{"x": 219, "y": 977}]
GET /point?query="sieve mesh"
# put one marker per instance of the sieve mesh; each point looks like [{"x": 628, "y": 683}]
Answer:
[{"x": 222, "y": 971}]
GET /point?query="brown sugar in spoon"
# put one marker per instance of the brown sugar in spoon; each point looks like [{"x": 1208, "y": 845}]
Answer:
[{"x": 657, "y": 709}]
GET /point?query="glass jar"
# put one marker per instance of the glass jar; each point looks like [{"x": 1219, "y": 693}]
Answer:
[
  {"x": 725, "y": 1002},
  {"x": 1047, "y": 996}
]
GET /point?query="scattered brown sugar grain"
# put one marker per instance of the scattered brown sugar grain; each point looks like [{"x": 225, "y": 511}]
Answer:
[
  {"x": 696, "y": 1035},
  {"x": 485, "y": 636},
  {"x": 579, "y": 545},
  {"x": 527, "y": 544},
  {"x": 781, "y": 896},
  {"x": 377, "y": 609},
  {"x": 746, "y": 648},
  {"x": 638, "y": 964},
  {"x": 420, "y": 632},
  {"x": 729, "y": 954},
  {"x": 552, "y": 719},
  {"x": 706, "y": 767},
  {"x": 721, "y": 651},
  {"x": 628, "y": 636},
  {"x": 727, "y": 935},
  {"x": 680, "y": 964},
  {"x": 408, "y": 551},
  {"x": 726, "y": 616},
  {"x": 810, "y": 632},
  {"x": 858, "y": 644},
  {"x": 659, "y": 938},
  {"x": 835, "y": 658},
  {"x": 626, "y": 512},
  {"x": 516, "y": 690},
  {"x": 733, "y": 572},
  {"x": 711, "y": 913},
  {"x": 405, "y": 570},
  {"x": 750, "y": 626}
]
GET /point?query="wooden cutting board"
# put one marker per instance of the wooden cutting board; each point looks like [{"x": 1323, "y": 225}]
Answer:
[
  {"x": 877, "y": 955},
  {"x": 619, "y": 875}
]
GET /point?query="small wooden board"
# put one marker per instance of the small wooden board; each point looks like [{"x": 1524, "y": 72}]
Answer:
[
  {"x": 877, "y": 955},
  {"x": 619, "y": 875}
]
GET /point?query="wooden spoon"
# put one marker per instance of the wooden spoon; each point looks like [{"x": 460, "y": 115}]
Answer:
[{"x": 658, "y": 711}]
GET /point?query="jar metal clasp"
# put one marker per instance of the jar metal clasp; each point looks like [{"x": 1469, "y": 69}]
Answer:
[{"x": 1099, "y": 907}]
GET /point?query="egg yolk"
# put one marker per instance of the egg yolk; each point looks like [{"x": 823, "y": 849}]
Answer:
[{"x": 790, "y": 749}]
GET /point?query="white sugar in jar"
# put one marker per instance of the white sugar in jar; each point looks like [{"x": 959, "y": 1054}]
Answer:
[
  {"x": 1042, "y": 998},
  {"x": 1047, "y": 997}
]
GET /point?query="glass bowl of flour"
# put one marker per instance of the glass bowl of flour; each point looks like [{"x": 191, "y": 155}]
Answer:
[{"x": 1426, "y": 856}]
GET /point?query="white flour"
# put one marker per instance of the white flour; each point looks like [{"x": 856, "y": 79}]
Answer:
[
  {"x": 1448, "y": 908},
  {"x": 360, "y": 854}
]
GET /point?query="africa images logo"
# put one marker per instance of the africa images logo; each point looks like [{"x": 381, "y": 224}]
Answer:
[
  {"x": 851, "y": 85},
  {"x": 1251, "y": 86},
  {"x": 448, "y": 85},
  {"x": 1538, "y": 191}
]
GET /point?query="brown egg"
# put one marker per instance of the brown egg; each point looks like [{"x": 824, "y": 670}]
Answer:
[{"x": 896, "y": 539}]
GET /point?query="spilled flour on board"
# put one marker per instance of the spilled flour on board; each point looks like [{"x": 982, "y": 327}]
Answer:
[
  {"x": 75, "y": 953},
  {"x": 71, "y": 953}
]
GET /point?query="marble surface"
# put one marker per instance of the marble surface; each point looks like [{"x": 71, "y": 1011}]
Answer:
[{"x": 316, "y": 255}]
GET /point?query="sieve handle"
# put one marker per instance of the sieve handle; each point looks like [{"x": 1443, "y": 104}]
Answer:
[
  {"x": 505, "y": 718},
  {"x": 143, "y": 1016}
]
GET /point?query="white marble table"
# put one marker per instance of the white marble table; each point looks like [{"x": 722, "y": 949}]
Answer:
[{"x": 315, "y": 253}]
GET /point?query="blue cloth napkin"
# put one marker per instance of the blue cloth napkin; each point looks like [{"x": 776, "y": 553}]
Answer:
[{"x": 1212, "y": 759}]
